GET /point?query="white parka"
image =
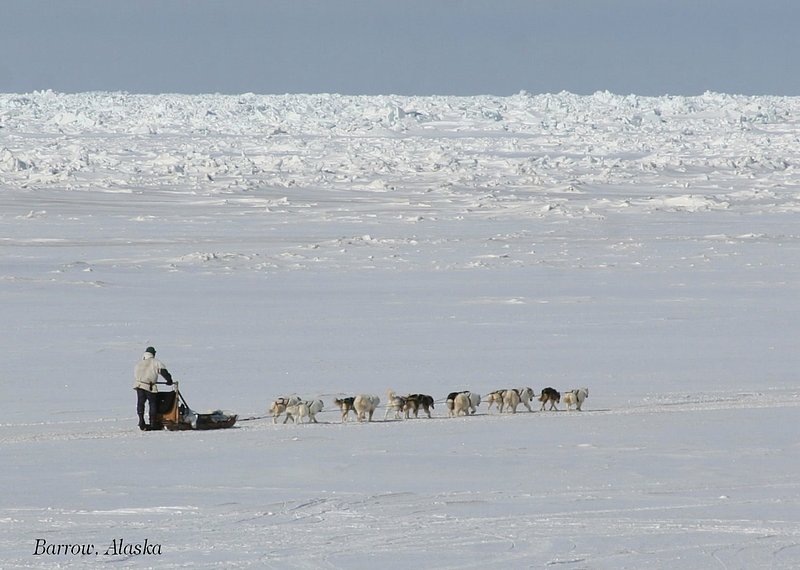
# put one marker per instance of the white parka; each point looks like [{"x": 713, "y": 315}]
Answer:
[{"x": 147, "y": 371}]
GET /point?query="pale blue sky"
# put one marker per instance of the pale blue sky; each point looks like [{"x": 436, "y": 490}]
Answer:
[{"x": 423, "y": 47}]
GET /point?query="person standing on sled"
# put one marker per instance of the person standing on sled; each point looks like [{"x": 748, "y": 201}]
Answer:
[{"x": 145, "y": 375}]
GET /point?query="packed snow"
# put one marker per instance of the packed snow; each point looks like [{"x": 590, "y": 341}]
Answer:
[{"x": 326, "y": 246}]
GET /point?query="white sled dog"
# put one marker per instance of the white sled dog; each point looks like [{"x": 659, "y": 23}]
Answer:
[
  {"x": 364, "y": 405},
  {"x": 296, "y": 412},
  {"x": 394, "y": 403},
  {"x": 462, "y": 403},
  {"x": 303, "y": 409},
  {"x": 474, "y": 402},
  {"x": 509, "y": 399},
  {"x": 526, "y": 396},
  {"x": 466, "y": 404},
  {"x": 575, "y": 398},
  {"x": 278, "y": 407},
  {"x": 495, "y": 398}
]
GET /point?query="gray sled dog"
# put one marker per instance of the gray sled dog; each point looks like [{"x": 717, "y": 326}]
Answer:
[
  {"x": 526, "y": 397},
  {"x": 416, "y": 401},
  {"x": 345, "y": 405}
]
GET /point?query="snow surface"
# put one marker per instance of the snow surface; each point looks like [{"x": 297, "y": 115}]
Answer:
[{"x": 324, "y": 245}]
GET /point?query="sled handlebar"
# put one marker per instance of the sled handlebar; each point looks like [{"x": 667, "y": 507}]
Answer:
[{"x": 175, "y": 388}]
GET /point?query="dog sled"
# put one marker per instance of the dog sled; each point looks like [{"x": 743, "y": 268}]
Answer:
[{"x": 175, "y": 414}]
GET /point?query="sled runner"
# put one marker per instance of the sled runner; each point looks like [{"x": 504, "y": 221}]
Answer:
[{"x": 175, "y": 414}]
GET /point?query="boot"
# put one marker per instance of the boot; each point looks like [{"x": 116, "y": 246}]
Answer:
[{"x": 142, "y": 425}]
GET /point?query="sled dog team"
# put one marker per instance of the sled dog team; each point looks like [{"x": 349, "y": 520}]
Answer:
[{"x": 462, "y": 403}]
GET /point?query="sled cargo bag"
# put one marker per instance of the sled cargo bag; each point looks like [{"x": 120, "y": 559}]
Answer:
[
  {"x": 175, "y": 414},
  {"x": 215, "y": 420}
]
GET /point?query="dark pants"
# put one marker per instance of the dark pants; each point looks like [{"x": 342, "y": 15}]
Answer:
[{"x": 151, "y": 398}]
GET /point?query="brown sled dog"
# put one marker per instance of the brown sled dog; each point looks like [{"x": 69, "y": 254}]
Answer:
[{"x": 549, "y": 395}]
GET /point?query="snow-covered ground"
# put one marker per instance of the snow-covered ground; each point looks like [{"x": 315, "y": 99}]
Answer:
[{"x": 326, "y": 245}]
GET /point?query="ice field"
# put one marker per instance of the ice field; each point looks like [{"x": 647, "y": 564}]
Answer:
[{"x": 326, "y": 245}]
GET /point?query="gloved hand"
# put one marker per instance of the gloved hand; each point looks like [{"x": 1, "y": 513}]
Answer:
[{"x": 169, "y": 382}]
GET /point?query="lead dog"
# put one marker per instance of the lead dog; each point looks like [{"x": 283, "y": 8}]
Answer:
[
  {"x": 549, "y": 395},
  {"x": 396, "y": 403},
  {"x": 364, "y": 405},
  {"x": 575, "y": 398},
  {"x": 345, "y": 405},
  {"x": 416, "y": 401}
]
